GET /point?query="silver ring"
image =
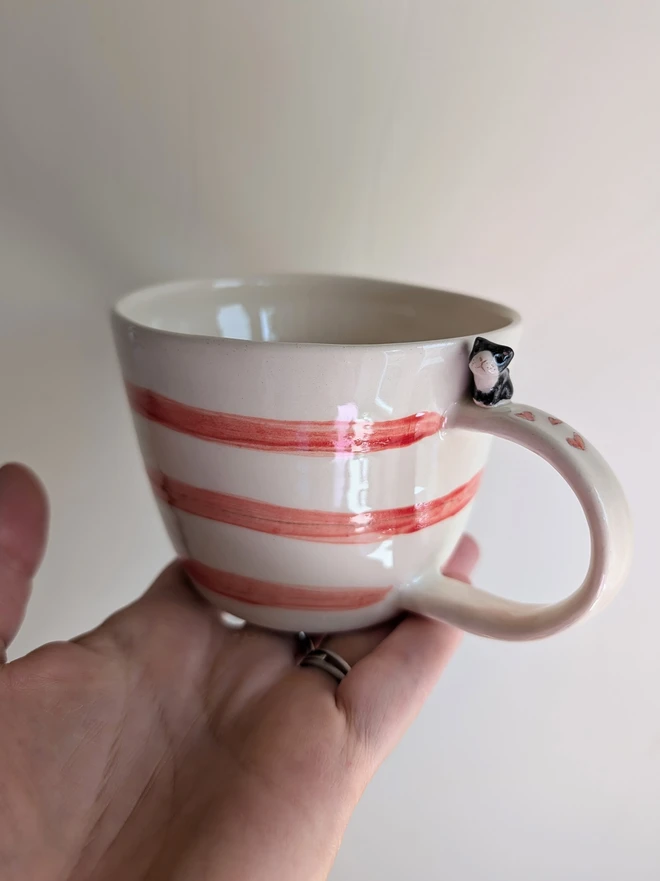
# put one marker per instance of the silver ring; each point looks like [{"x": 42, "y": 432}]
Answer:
[{"x": 329, "y": 662}]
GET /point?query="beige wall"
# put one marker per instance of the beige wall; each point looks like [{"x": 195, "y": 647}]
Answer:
[{"x": 506, "y": 148}]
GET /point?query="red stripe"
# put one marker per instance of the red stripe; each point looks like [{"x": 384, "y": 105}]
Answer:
[
  {"x": 323, "y": 526},
  {"x": 281, "y": 436},
  {"x": 283, "y": 596}
]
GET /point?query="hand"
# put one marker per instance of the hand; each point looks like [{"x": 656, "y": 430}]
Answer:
[{"x": 163, "y": 745}]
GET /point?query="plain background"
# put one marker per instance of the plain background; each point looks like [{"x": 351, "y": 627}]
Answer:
[{"x": 504, "y": 148}]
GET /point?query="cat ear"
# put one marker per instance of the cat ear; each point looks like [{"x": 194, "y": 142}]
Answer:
[{"x": 479, "y": 344}]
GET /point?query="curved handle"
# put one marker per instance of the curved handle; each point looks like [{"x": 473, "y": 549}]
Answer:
[{"x": 605, "y": 508}]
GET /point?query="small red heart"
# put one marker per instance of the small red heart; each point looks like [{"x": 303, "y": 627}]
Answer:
[
  {"x": 553, "y": 421},
  {"x": 576, "y": 441},
  {"x": 526, "y": 414}
]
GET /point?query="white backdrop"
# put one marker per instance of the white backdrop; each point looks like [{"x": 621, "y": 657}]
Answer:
[{"x": 499, "y": 147}]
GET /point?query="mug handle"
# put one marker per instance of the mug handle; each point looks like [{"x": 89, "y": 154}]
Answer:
[{"x": 603, "y": 503}]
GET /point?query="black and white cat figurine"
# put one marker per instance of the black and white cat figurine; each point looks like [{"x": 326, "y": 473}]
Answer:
[{"x": 489, "y": 363}]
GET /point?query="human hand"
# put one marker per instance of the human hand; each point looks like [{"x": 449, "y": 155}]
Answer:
[{"x": 163, "y": 745}]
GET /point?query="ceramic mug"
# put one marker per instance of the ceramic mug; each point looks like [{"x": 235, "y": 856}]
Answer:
[{"x": 315, "y": 451}]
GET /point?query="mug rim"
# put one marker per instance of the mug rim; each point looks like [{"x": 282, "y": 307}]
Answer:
[{"x": 510, "y": 318}]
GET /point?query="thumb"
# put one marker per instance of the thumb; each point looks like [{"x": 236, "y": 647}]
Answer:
[{"x": 23, "y": 528}]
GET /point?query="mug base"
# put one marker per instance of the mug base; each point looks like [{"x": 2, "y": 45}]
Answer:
[{"x": 305, "y": 620}]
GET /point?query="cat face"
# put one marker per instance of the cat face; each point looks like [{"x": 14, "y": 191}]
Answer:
[{"x": 488, "y": 360}]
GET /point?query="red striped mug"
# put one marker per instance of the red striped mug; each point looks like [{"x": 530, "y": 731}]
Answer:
[{"x": 314, "y": 450}]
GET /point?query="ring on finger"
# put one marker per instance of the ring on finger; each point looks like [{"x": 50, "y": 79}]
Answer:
[{"x": 328, "y": 661}]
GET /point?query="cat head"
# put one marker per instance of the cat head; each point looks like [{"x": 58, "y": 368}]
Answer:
[{"x": 489, "y": 359}]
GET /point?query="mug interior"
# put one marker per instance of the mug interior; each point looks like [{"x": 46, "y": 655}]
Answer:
[{"x": 313, "y": 309}]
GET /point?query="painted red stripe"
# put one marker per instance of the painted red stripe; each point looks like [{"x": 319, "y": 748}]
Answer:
[
  {"x": 281, "y": 436},
  {"x": 283, "y": 596},
  {"x": 323, "y": 526}
]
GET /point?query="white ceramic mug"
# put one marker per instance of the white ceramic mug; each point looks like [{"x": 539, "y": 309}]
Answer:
[{"x": 315, "y": 451}]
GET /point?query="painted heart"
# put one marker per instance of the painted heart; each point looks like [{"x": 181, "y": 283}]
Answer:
[
  {"x": 576, "y": 441},
  {"x": 526, "y": 414},
  {"x": 553, "y": 421}
]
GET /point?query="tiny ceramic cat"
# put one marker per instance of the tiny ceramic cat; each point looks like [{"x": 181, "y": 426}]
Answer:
[{"x": 488, "y": 363}]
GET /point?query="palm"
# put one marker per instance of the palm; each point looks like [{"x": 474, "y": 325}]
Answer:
[{"x": 163, "y": 745}]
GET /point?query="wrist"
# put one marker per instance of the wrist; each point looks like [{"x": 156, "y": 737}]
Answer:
[{"x": 255, "y": 831}]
